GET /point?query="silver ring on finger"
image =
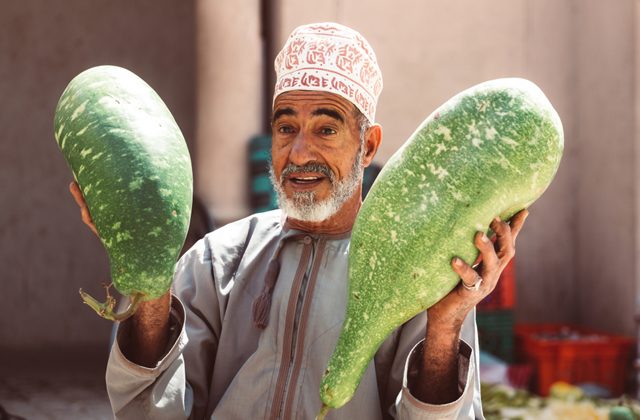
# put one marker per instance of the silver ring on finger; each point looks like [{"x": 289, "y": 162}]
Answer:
[{"x": 473, "y": 287}]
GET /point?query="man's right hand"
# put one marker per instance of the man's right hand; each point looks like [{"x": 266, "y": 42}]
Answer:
[
  {"x": 150, "y": 322},
  {"x": 84, "y": 210}
]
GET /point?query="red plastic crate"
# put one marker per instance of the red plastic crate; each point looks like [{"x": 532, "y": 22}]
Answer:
[
  {"x": 504, "y": 295},
  {"x": 574, "y": 355},
  {"x": 519, "y": 375}
]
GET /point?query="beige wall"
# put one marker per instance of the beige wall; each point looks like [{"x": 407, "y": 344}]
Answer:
[
  {"x": 636, "y": 139},
  {"x": 605, "y": 103},
  {"x": 229, "y": 102}
]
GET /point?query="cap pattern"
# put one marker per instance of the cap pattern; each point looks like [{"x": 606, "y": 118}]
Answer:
[{"x": 332, "y": 58}]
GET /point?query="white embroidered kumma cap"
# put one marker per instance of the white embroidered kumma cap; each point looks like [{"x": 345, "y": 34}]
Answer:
[{"x": 332, "y": 58}]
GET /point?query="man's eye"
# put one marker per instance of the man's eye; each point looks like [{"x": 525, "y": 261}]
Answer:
[
  {"x": 285, "y": 129},
  {"x": 326, "y": 131}
]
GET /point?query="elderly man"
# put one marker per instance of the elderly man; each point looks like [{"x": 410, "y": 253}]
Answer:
[{"x": 257, "y": 305}]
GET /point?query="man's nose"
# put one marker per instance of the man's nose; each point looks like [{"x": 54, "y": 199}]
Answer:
[{"x": 302, "y": 150}]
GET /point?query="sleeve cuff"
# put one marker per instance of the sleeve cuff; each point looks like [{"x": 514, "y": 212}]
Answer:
[
  {"x": 410, "y": 407},
  {"x": 176, "y": 343}
]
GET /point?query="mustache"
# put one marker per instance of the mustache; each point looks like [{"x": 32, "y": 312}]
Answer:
[{"x": 318, "y": 167}]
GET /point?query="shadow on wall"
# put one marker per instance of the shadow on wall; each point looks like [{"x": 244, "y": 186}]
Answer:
[{"x": 201, "y": 224}]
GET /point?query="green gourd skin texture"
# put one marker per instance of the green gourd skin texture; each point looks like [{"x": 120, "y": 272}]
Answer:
[
  {"x": 133, "y": 167},
  {"x": 489, "y": 151}
]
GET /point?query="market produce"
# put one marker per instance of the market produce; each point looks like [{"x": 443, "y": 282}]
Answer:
[
  {"x": 132, "y": 165},
  {"x": 490, "y": 151},
  {"x": 621, "y": 412},
  {"x": 502, "y": 402}
]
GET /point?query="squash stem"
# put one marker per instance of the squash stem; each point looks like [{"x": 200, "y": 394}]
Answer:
[
  {"x": 323, "y": 412},
  {"x": 105, "y": 309}
]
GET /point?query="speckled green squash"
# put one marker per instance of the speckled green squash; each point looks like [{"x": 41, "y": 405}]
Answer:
[
  {"x": 491, "y": 150},
  {"x": 133, "y": 167}
]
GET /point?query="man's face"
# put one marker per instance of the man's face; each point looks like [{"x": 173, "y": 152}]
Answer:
[{"x": 316, "y": 153}]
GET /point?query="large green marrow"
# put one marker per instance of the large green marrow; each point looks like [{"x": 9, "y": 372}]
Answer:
[
  {"x": 491, "y": 150},
  {"x": 131, "y": 162}
]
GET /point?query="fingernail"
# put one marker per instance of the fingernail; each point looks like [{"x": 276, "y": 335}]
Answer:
[
  {"x": 457, "y": 261},
  {"x": 497, "y": 219},
  {"x": 484, "y": 237}
]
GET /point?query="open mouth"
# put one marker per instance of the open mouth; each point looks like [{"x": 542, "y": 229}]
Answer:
[{"x": 299, "y": 180}]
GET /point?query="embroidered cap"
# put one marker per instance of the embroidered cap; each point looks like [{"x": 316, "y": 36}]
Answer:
[{"x": 332, "y": 58}]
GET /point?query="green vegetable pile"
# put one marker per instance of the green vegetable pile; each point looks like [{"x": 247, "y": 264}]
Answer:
[{"x": 567, "y": 402}]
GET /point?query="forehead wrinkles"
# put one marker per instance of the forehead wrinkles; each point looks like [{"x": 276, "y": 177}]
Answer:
[{"x": 310, "y": 101}]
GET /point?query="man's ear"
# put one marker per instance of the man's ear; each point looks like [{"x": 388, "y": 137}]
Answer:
[{"x": 372, "y": 141}]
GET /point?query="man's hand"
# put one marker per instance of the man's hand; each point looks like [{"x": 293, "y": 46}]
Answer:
[
  {"x": 438, "y": 378},
  {"x": 149, "y": 332},
  {"x": 453, "y": 308}
]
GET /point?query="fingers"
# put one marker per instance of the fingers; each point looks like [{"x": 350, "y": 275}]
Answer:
[
  {"x": 467, "y": 274},
  {"x": 487, "y": 254},
  {"x": 477, "y": 284},
  {"x": 84, "y": 210},
  {"x": 517, "y": 221},
  {"x": 77, "y": 194},
  {"x": 494, "y": 257},
  {"x": 504, "y": 240},
  {"x": 501, "y": 228}
]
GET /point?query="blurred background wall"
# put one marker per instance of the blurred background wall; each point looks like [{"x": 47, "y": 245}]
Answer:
[{"x": 207, "y": 59}]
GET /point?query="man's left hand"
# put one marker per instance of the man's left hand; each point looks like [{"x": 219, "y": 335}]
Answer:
[
  {"x": 453, "y": 308},
  {"x": 437, "y": 381}
]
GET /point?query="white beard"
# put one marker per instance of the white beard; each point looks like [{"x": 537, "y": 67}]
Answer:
[{"x": 304, "y": 206}]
